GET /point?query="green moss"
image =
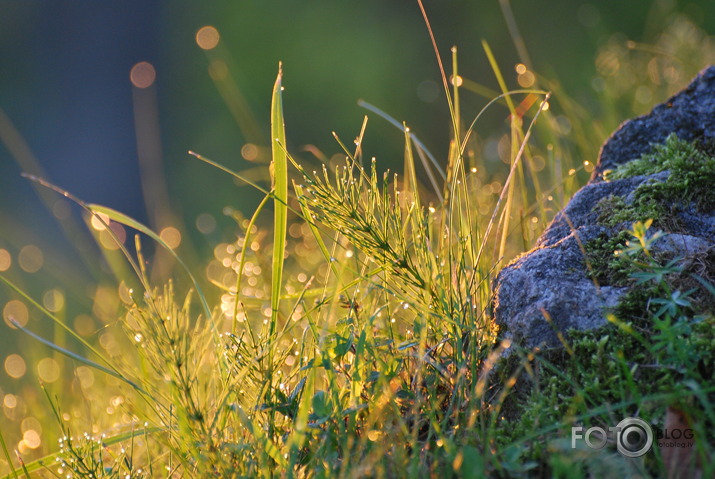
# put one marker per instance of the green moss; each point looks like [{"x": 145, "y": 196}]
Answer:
[
  {"x": 691, "y": 174},
  {"x": 604, "y": 264},
  {"x": 613, "y": 210}
]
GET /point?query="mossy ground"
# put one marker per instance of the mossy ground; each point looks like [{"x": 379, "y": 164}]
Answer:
[{"x": 658, "y": 350}]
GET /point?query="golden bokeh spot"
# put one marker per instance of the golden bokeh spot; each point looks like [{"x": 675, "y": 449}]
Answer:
[
  {"x": 108, "y": 240},
  {"x": 99, "y": 221},
  {"x": 15, "y": 310},
  {"x": 30, "y": 258},
  {"x": 520, "y": 68},
  {"x": 84, "y": 325},
  {"x": 207, "y": 37},
  {"x": 23, "y": 448},
  {"x": 53, "y": 300},
  {"x": 526, "y": 79},
  {"x": 5, "y": 260},
  {"x": 456, "y": 80},
  {"x": 374, "y": 435},
  {"x": 32, "y": 439},
  {"x": 15, "y": 366},
  {"x": 10, "y": 401},
  {"x": 171, "y": 236},
  {"x": 142, "y": 75},
  {"x": 48, "y": 370}
]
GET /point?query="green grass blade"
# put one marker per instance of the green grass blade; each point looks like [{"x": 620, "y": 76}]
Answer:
[
  {"x": 279, "y": 176},
  {"x": 132, "y": 223}
]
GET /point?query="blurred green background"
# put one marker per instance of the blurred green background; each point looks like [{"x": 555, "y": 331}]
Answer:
[{"x": 71, "y": 113}]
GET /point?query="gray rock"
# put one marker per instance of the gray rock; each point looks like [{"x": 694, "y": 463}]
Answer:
[
  {"x": 547, "y": 290},
  {"x": 689, "y": 114},
  {"x": 682, "y": 245}
]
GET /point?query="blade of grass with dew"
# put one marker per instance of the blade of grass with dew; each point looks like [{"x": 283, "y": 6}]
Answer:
[
  {"x": 279, "y": 184},
  {"x": 279, "y": 177},
  {"x": 132, "y": 223}
]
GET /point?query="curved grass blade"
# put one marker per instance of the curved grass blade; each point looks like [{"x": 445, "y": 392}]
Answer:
[{"x": 132, "y": 223}]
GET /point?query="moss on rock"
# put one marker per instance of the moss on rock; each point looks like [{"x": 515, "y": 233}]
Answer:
[
  {"x": 690, "y": 171},
  {"x": 648, "y": 358}
]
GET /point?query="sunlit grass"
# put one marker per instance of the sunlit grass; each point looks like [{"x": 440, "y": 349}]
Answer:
[{"x": 350, "y": 337}]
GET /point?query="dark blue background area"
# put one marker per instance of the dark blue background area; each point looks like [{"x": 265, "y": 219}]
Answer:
[{"x": 65, "y": 85}]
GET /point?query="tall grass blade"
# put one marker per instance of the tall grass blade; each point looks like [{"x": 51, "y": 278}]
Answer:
[{"x": 279, "y": 170}]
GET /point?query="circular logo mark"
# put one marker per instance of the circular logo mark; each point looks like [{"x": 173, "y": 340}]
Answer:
[{"x": 634, "y": 437}]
